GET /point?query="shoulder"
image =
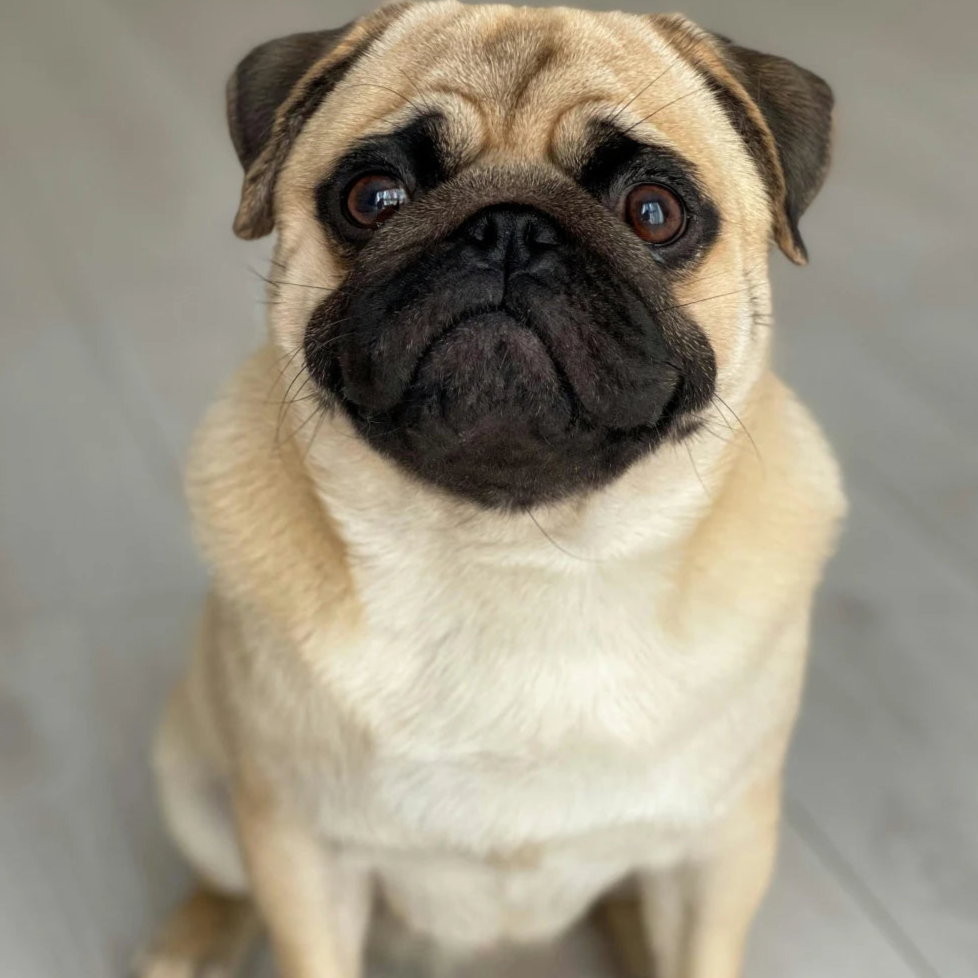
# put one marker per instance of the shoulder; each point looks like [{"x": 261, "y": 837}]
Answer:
[
  {"x": 797, "y": 465},
  {"x": 774, "y": 524},
  {"x": 263, "y": 531}
]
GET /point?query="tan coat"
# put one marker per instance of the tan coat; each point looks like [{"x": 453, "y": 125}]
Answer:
[{"x": 493, "y": 719}]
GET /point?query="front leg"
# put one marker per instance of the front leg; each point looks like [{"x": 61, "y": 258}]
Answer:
[
  {"x": 315, "y": 904},
  {"x": 697, "y": 916}
]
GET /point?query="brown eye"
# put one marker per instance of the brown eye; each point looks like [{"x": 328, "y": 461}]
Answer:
[
  {"x": 655, "y": 213},
  {"x": 372, "y": 199}
]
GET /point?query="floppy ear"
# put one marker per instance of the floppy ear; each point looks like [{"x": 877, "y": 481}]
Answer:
[
  {"x": 797, "y": 107},
  {"x": 782, "y": 112},
  {"x": 272, "y": 94},
  {"x": 262, "y": 82}
]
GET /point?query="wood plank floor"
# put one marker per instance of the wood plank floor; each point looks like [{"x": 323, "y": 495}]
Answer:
[{"x": 126, "y": 301}]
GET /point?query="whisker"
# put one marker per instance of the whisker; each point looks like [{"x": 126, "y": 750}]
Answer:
[
  {"x": 306, "y": 397},
  {"x": 706, "y": 425},
  {"x": 743, "y": 427},
  {"x": 414, "y": 85},
  {"x": 319, "y": 344},
  {"x": 287, "y": 401},
  {"x": 563, "y": 550},
  {"x": 393, "y": 91},
  {"x": 613, "y": 119},
  {"x": 288, "y": 398},
  {"x": 696, "y": 471},
  {"x": 315, "y": 434},
  {"x": 295, "y": 431},
  {"x": 662, "y": 108},
  {"x": 297, "y": 285},
  {"x": 281, "y": 373},
  {"x": 693, "y": 302}
]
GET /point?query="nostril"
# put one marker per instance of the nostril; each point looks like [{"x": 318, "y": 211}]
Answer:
[
  {"x": 483, "y": 231},
  {"x": 515, "y": 237},
  {"x": 539, "y": 234}
]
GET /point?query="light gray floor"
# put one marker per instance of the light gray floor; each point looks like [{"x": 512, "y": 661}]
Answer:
[{"x": 125, "y": 301}]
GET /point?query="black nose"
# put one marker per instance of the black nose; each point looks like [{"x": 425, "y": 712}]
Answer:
[{"x": 517, "y": 238}]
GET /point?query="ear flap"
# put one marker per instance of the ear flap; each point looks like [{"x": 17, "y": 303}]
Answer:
[
  {"x": 262, "y": 82},
  {"x": 273, "y": 93},
  {"x": 797, "y": 107},
  {"x": 782, "y": 112}
]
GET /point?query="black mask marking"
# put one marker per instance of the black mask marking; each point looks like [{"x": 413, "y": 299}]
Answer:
[{"x": 512, "y": 341}]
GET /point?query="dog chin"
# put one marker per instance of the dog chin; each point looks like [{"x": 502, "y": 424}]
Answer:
[{"x": 490, "y": 416}]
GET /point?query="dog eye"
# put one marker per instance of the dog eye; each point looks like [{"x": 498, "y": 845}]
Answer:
[
  {"x": 373, "y": 198},
  {"x": 655, "y": 213}
]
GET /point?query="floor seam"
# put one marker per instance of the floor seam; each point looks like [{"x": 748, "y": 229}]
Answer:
[{"x": 849, "y": 878}]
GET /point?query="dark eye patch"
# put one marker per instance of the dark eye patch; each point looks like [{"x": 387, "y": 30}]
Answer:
[
  {"x": 415, "y": 155},
  {"x": 614, "y": 162}
]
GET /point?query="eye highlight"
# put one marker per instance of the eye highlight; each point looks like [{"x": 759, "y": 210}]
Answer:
[
  {"x": 373, "y": 198},
  {"x": 655, "y": 213}
]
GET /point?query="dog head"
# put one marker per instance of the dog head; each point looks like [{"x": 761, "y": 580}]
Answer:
[{"x": 519, "y": 249}]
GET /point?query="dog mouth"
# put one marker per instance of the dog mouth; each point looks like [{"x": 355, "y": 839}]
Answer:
[
  {"x": 487, "y": 371},
  {"x": 490, "y": 413}
]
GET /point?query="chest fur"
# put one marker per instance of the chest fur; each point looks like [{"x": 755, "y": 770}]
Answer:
[{"x": 546, "y": 710}]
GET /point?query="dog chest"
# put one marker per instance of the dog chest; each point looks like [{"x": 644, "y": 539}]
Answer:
[{"x": 493, "y": 726}]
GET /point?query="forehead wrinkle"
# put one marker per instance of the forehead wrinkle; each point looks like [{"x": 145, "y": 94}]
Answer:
[
  {"x": 606, "y": 101},
  {"x": 544, "y": 56},
  {"x": 545, "y": 99},
  {"x": 499, "y": 58},
  {"x": 497, "y": 61},
  {"x": 520, "y": 97},
  {"x": 526, "y": 49},
  {"x": 422, "y": 107}
]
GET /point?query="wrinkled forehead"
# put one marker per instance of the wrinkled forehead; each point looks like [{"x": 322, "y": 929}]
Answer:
[
  {"x": 523, "y": 83},
  {"x": 522, "y": 67}
]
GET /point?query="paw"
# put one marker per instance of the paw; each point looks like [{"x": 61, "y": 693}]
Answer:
[
  {"x": 207, "y": 936},
  {"x": 156, "y": 963}
]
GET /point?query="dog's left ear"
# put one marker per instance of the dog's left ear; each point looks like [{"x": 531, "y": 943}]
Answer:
[
  {"x": 797, "y": 107},
  {"x": 274, "y": 91},
  {"x": 782, "y": 111}
]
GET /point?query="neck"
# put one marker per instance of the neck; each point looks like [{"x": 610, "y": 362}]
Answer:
[{"x": 382, "y": 512}]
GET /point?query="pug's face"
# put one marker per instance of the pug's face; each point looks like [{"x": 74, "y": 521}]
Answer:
[{"x": 520, "y": 249}]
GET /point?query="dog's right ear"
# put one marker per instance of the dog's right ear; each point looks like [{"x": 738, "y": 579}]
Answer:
[
  {"x": 272, "y": 94},
  {"x": 781, "y": 111}
]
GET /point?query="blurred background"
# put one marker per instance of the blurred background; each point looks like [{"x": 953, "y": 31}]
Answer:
[{"x": 125, "y": 302}]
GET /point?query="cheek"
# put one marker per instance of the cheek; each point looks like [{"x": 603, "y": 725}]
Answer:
[
  {"x": 719, "y": 300},
  {"x": 303, "y": 273}
]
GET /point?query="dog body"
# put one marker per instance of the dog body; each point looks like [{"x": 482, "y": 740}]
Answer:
[
  {"x": 516, "y": 617},
  {"x": 561, "y": 722}
]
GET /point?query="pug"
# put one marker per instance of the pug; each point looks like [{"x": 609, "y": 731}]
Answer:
[{"x": 513, "y": 531}]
